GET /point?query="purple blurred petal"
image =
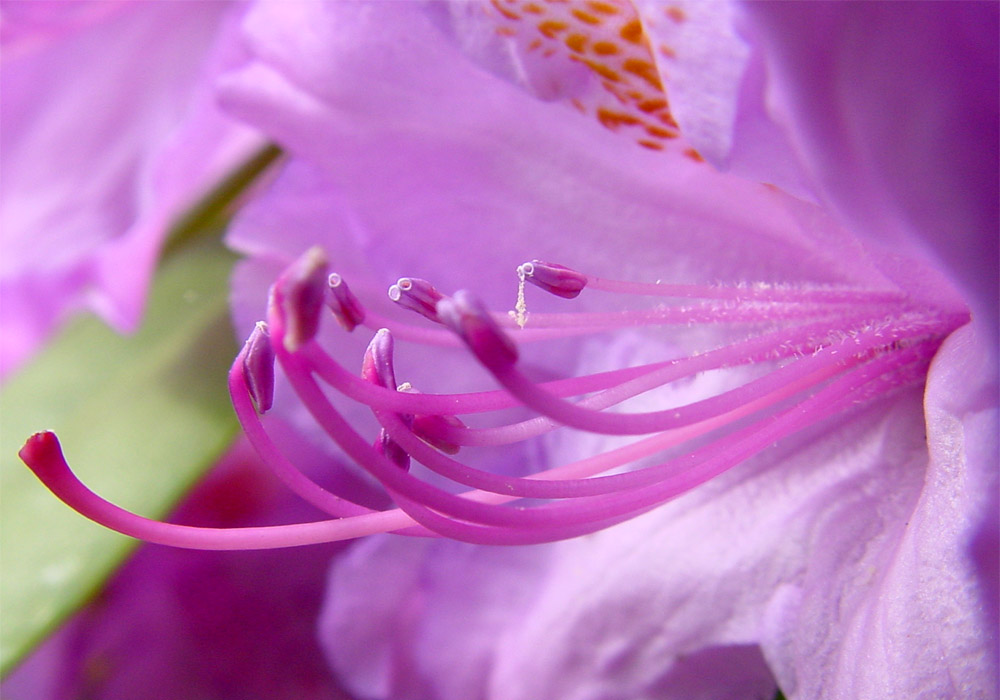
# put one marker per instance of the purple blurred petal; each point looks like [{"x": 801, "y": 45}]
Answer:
[
  {"x": 110, "y": 134},
  {"x": 900, "y": 132}
]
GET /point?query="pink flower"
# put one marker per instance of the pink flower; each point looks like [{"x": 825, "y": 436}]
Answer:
[
  {"x": 451, "y": 142},
  {"x": 110, "y": 133}
]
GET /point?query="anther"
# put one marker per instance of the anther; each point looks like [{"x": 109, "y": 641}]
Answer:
[
  {"x": 345, "y": 306},
  {"x": 301, "y": 291},
  {"x": 417, "y": 295},
  {"x": 555, "y": 279},
  {"x": 377, "y": 369},
  {"x": 376, "y": 366},
  {"x": 469, "y": 319},
  {"x": 258, "y": 367},
  {"x": 391, "y": 450},
  {"x": 432, "y": 428}
]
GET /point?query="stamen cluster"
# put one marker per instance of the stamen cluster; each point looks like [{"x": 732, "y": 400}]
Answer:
[{"x": 828, "y": 349}]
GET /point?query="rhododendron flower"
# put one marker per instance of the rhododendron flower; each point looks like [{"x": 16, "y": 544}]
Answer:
[
  {"x": 110, "y": 134},
  {"x": 748, "y": 460}
]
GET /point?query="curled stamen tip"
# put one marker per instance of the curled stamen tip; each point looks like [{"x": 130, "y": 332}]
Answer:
[
  {"x": 345, "y": 306},
  {"x": 301, "y": 291},
  {"x": 556, "y": 279},
  {"x": 417, "y": 295},
  {"x": 376, "y": 367},
  {"x": 258, "y": 367},
  {"x": 466, "y": 316}
]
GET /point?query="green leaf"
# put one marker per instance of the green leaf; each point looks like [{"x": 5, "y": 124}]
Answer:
[{"x": 140, "y": 418}]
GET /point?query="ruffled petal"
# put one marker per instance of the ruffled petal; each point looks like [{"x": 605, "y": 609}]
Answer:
[{"x": 361, "y": 96}]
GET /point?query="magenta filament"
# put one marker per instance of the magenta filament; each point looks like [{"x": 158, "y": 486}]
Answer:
[{"x": 816, "y": 353}]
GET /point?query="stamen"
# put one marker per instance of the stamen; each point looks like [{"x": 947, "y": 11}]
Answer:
[
  {"x": 377, "y": 364},
  {"x": 743, "y": 292},
  {"x": 555, "y": 279},
  {"x": 825, "y": 362},
  {"x": 301, "y": 292},
  {"x": 42, "y": 454},
  {"x": 467, "y": 317},
  {"x": 377, "y": 369},
  {"x": 827, "y": 350},
  {"x": 299, "y": 483},
  {"x": 258, "y": 367},
  {"x": 417, "y": 295},
  {"x": 345, "y": 306}
]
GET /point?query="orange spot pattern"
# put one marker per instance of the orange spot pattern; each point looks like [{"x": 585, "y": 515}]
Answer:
[{"x": 607, "y": 37}]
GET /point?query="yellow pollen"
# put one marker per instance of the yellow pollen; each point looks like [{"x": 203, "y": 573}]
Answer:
[{"x": 520, "y": 312}]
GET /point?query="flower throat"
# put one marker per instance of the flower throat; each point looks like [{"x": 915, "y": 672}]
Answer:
[{"x": 827, "y": 350}]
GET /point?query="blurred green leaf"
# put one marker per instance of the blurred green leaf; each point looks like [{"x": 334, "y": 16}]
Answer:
[{"x": 140, "y": 419}]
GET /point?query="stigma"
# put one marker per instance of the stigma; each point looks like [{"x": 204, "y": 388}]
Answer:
[{"x": 817, "y": 353}]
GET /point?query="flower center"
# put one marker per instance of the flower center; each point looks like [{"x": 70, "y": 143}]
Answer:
[{"x": 825, "y": 350}]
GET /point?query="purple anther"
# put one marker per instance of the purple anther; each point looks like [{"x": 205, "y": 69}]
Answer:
[
  {"x": 555, "y": 279},
  {"x": 345, "y": 306},
  {"x": 376, "y": 367},
  {"x": 467, "y": 317},
  {"x": 390, "y": 449},
  {"x": 302, "y": 289},
  {"x": 431, "y": 429},
  {"x": 417, "y": 295},
  {"x": 258, "y": 367}
]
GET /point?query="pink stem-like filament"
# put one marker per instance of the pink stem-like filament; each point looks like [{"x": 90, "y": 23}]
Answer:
[{"x": 835, "y": 349}]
